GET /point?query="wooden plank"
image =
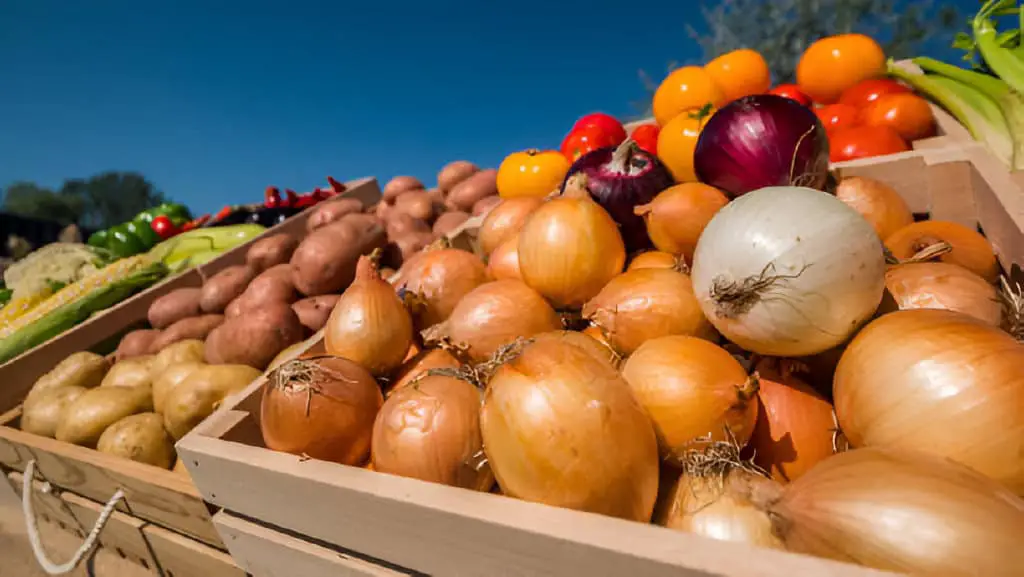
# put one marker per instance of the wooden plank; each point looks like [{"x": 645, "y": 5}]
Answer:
[
  {"x": 48, "y": 506},
  {"x": 999, "y": 202},
  {"x": 151, "y": 493},
  {"x": 265, "y": 552},
  {"x": 179, "y": 556}
]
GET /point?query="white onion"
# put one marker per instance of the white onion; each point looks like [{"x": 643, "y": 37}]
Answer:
[{"x": 788, "y": 271}]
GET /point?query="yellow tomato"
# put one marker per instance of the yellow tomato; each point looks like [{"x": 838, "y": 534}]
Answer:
[
  {"x": 685, "y": 88},
  {"x": 833, "y": 64},
  {"x": 678, "y": 139},
  {"x": 740, "y": 73},
  {"x": 531, "y": 173}
]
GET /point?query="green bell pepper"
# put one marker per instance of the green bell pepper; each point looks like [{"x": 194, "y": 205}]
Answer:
[
  {"x": 145, "y": 233},
  {"x": 123, "y": 242},
  {"x": 98, "y": 239}
]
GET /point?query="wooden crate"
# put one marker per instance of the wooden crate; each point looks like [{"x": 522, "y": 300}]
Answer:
[
  {"x": 163, "y": 507},
  {"x": 283, "y": 511}
]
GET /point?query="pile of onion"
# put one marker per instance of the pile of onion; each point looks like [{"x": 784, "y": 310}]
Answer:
[
  {"x": 437, "y": 278},
  {"x": 369, "y": 324},
  {"x": 693, "y": 390},
  {"x": 620, "y": 178},
  {"x": 788, "y": 271},
  {"x": 952, "y": 243},
  {"x": 570, "y": 247},
  {"x": 430, "y": 431},
  {"x": 561, "y": 427},
  {"x": 321, "y": 407},
  {"x": 495, "y": 314},
  {"x": 657, "y": 259},
  {"x": 762, "y": 140},
  {"x": 643, "y": 304},
  {"x": 939, "y": 382},
  {"x": 877, "y": 202},
  {"x": 677, "y": 216},
  {"x": 937, "y": 285},
  {"x": 503, "y": 262},
  {"x": 421, "y": 361},
  {"x": 795, "y": 425},
  {"x": 505, "y": 220}
]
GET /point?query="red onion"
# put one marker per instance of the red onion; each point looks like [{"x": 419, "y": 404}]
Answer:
[
  {"x": 620, "y": 178},
  {"x": 762, "y": 140}
]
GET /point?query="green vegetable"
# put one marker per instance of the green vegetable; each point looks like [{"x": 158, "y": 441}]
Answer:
[
  {"x": 144, "y": 232},
  {"x": 98, "y": 239},
  {"x": 5, "y": 296},
  {"x": 1005, "y": 61},
  {"x": 123, "y": 242},
  {"x": 184, "y": 249}
]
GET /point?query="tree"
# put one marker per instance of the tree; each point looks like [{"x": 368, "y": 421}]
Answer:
[
  {"x": 782, "y": 29},
  {"x": 99, "y": 201}
]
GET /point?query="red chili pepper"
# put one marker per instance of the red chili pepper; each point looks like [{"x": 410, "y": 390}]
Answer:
[
  {"x": 163, "y": 227},
  {"x": 335, "y": 185},
  {"x": 224, "y": 212},
  {"x": 306, "y": 200},
  {"x": 272, "y": 197},
  {"x": 195, "y": 223},
  {"x": 293, "y": 197}
]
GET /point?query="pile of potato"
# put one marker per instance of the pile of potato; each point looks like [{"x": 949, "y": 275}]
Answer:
[
  {"x": 247, "y": 314},
  {"x": 134, "y": 408}
]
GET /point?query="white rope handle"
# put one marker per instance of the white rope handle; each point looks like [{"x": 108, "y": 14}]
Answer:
[{"x": 50, "y": 567}]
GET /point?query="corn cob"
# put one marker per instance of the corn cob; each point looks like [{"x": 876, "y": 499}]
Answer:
[
  {"x": 19, "y": 306},
  {"x": 77, "y": 301}
]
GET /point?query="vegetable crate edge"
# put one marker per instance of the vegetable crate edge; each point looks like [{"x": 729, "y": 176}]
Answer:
[
  {"x": 367, "y": 523},
  {"x": 162, "y": 524}
]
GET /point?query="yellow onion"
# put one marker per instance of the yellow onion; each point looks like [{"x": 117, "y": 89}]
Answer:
[
  {"x": 495, "y": 314},
  {"x": 711, "y": 498},
  {"x": 561, "y": 427},
  {"x": 430, "y": 431},
  {"x": 940, "y": 382},
  {"x": 420, "y": 362},
  {"x": 569, "y": 248},
  {"x": 322, "y": 407},
  {"x": 437, "y": 279},
  {"x": 504, "y": 260},
  {"x": 656, "y": 259},
  {"x": 643, "y": 304},
  {"x": 692, "y": 389},
  {"x": 369, "y": 323},
  {"x": 938, "y": 285},
  {"x": 505, "y": 220},
  {"x": 899, "y": 511},
  {"x": 583, "y": 340},
  {"x": 677, "y": 216}
]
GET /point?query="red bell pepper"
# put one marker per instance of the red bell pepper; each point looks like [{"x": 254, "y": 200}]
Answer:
[{"x": 292, "y": 198}]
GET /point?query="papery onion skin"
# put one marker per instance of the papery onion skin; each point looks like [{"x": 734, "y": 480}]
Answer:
[
  {"x": 439, "y": 278},
  {"x": 795, "y": 427},
  {"x": 620, "y": 178},
  {"x": 644, "y": 304},
  {"x": 330, "y": 418},
  {"x": 717, "y": 508},
  {"x": 877, "y": 202},
  {"x": 505, "y": 220},
  {"x": 420, "y": 363},
  {"x": 939, "y": 382},
  {"x": 902, "y": 511},
  {"x": 561, "y": 427},
  {"x": 937, "y": 285},
  {"x": 654, "y": 259},
  {"x": 569, "y": 249},
  {"x": 496, "y": 314},
  {"x": 788, "y": 271},
  {"x": 692, "y": 388},
  {"x": 759, "y": 141},
  {"x": 588, "y": 342},
  {"x": 969, "y": 249},
  {"x": 503, "y": 262},
  {"x": 431, "y": 431},
  {"x": 369, "y": 323},
  {"x": 677, "y": 216}
]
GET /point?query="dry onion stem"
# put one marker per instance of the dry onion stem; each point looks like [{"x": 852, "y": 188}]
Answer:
[{"x": 1013, "y": 308}]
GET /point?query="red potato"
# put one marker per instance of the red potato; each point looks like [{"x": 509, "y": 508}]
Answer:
[
  {"x": 267, "y": 289},
  {"x": 174, "y": 306},
  {"x": 363, "y": 221},
  {"x": 227, "y": 285},
  {"x": 271, "y": 251},
  {"x": 448, "y": 222},
  {"x": 191, "y": 328},
  {"x": 401, "y": 223},
  {"x": 135, "y": 344},
  {"x": 400, "y": 184},
  {"x": 417, "y": 204},
  {"x": 412, "y": 243},
  {"x": 455, "y": 172},
  {"x": 436, "y": 195},
  {"x": 325, "y": 261},
  {"x": 234, "y": 308},
  {"x": 314, "y": 311},
  {"x": 279, "y": 271},
  {"x": 255, "y": 338},
  {"x": 331, "y": 211},
  {"x": 484, "y": 205},
  {"x": 469, "y": 191}
]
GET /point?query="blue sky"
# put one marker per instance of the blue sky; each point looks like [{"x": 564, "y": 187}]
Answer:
[{"x": 213, "y": 101}]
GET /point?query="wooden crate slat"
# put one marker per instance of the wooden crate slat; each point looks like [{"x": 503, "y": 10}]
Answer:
[{"x": 180, "y": 556}]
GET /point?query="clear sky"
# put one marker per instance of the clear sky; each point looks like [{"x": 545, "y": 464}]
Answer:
[{"x": 215, "y": 100}]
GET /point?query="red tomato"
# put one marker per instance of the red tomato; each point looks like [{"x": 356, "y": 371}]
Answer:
[
  {"x": 908, "y": 114},
  {"x": 583, "y": 140},
  {"x": 838, "y": 116},
  {"x": 163, "y": 227},
  {"x": 792, "y": 92},
  {"x": 605, "y": 122},
  {"x": 864, "y": 142},
  {"x": 866, "y": 92},
  {"x": 646, "y": 137}
]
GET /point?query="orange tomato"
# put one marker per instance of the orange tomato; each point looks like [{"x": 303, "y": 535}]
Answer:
[
  {"x": 908, "y": 114},
  {"x": 835, "y": 63},
  {"x": 678, "y": 139},
  {"x": 685, "y": 88},
  {"x": 740, "y": 73},
  {"x": 838, "y": 116},
  {"x": 864, "y": 142},
  {"x": 531, "y": 173}
]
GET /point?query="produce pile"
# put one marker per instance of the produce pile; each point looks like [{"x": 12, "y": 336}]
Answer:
[{"x": 749, "y": 363}]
